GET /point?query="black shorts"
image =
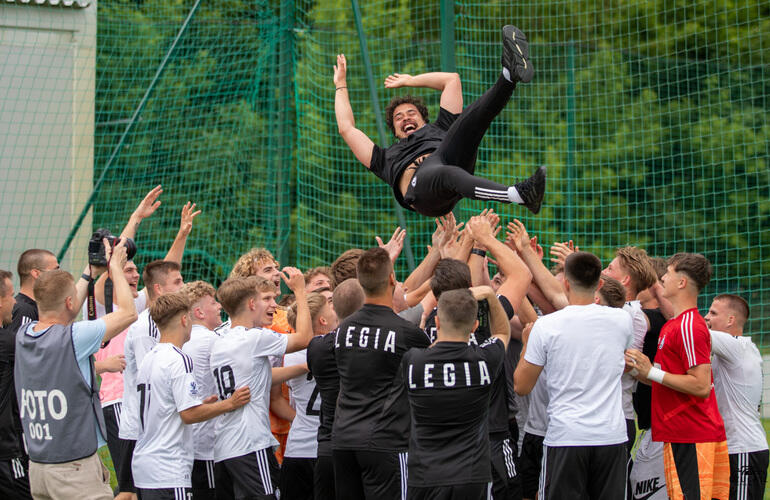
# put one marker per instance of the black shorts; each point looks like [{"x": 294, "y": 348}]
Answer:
[
  {"x": 370, "y": 474},
  {"x": 253, "y": 476},
  {"x": 164, "y": 494},
  {"x": 14, "y": 478},
  {"x": 203, "y": 484},
  {"x": 506, "y": 482},
  {"x": 323, "y": 478},
  {"x": 473, "y": 491},
  {"x": 124, "y": 474},
  {"x": 748, "y": 475},
  {"x": 530, "y": 461},
  {"x": 596, "y": 472},
  {"x": 297, "y": 478}
]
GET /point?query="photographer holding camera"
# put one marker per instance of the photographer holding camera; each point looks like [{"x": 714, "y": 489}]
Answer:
[{"x": 55, "y": 381}]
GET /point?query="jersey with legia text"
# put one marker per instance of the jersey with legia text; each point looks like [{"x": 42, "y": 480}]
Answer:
[
  {"x": 240, "y": 358},
  {"x": 302, "y": 441},
  {"x": 684, "y": 342},
  {"x": 449, "y": 386},
  {"x": 372, "y": 409},
  {"x": 498, "y": 405},
  {"x": 164, "y": 454},
  {"x": 142, "y": 336}
]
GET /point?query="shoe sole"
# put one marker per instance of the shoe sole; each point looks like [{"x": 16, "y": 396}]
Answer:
[{"x": 511, "y": 32}]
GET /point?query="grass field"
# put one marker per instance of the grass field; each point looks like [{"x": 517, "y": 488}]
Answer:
[{"x": 105, "y": 454}]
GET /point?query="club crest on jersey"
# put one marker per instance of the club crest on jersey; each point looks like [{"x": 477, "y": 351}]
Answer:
[
  {"x": 194, "y": 388},
  {"x": 661, "y": 341}
]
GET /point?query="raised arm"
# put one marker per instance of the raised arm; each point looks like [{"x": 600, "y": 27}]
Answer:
[
  {"x": 550, "y": 286},
  {"x": 119, "y": 320},
  {"x": 498, "y": 321},
  {"x": 357, "y": 141},
  {"x": 145, "y": 209},
  {"x": 185, "y": 227},
  {"x": 298, "y": 340},
  {"x": 448, "y": 83}
]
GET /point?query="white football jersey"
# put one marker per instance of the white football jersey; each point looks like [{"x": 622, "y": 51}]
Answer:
[
  {"x": 163, "y": 457},
  {"x": 142, "y": 336},
  {"x": 239, "y": 358},
  {"x": 199, "y": 349},
  {"x": 737, "y": 368},
  {"x": 303, "y": 435},
  {"x": 628, "y": 382}
]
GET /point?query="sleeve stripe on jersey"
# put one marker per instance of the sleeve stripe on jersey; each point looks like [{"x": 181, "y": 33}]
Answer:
[
  {"x": 153, "y": 328},
  {"x": 687, "y": 339},
  {"x": 188, "y": 364}
]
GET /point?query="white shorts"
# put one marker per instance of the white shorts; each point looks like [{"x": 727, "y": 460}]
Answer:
[{"x": 648, "y": 477}]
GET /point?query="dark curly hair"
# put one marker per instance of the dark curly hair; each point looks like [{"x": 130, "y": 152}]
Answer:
[{"x": 406, "y": 99}]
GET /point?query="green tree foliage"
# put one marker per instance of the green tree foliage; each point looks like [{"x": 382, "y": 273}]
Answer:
[{"x": 650, "y": 116}]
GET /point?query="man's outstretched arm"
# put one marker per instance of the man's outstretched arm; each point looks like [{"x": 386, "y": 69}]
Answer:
[
  {"x": 448, "y": 83},
  {"x": 357, "y": 141}
]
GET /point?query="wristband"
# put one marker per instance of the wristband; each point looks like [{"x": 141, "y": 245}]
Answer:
[
  {"x": 340, "y": 88},
  {"x": 86, "y": 277},
  {"x": 656, "y": 375},
  {"x": 479, "y": 252}
]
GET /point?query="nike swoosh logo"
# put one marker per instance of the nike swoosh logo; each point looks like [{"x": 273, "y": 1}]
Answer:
[{"x": 648, "y": 495}]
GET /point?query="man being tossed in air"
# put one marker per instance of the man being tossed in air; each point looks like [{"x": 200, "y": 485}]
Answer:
[{"x": 431, "y": 166}]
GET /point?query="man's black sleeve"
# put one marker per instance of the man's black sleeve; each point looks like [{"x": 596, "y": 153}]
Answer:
[
  {"x": 445, "y": 119},
  {"x": 377, "y": 163}
]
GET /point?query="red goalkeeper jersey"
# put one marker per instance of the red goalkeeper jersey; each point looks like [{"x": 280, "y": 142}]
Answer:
[{"x": 677, "y": 417}]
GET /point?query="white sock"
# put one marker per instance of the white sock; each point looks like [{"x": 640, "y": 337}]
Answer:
[
  {"x": 514, "y": 195},
  {"x": 507, "y": 74}
]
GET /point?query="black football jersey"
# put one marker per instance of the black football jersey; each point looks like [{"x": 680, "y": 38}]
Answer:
[
  {"x": 323, "y": 367},
  {"x": 372, "y": 409},
  {"x": 449, "y": 386}
]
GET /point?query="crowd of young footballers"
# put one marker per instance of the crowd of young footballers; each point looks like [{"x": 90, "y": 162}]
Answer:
[{"x": 529, "y": 383}]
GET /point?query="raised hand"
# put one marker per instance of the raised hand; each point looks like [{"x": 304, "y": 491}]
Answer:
[
  {"x": 394, "y": 245},
  {"x": 517, "y": 235},
  {"x": 188, "y": 214},
  {"x": 536, "y": 247},
  {"x": 293, "y": 278},
  {"x": 114, "y": 364},
  {"x": 480, "y": 228},
  {"x": 149, "y": 204},
  {"x": 560, "y": 251},
  {"x": 397, "y": 80},
  {"x": 340, "y": 71}
]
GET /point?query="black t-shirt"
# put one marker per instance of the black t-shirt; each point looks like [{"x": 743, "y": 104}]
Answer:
[
  {"x": 498, "y": 405},
  {"x": 389, "y": 163},
  {"x": 372, "y": 409},
  {"x": 449, "y": 387},
  {"x": 642, "y": 396},
  {"x": 25, "y": 311},
  {"x": 10, "y": 424},
  {"x": 323, "y": 367}
]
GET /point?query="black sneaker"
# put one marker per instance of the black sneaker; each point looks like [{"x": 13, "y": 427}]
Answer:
[
  {"x": 516, "y": 54},
  {"x": 532, "y": 190}
]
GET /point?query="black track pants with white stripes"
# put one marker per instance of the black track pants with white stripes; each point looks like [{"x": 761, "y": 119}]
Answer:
[
  {"x": 14, "y": 478},
  {"x": 373, "y": 475}
]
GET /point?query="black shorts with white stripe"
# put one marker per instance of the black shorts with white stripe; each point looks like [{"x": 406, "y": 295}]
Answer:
[
  {"x": 474, "y": 491},
  {"x": 748, "y": 475},
  {"x": 164, "y": 494},
  {"x": 372, "y": 475},
  {"x": 506, "y": 482},
  {"x": 297, "y": 478},
  {"x": 203, "y": 484},
  {"x": 112, "y": 423},
  {"x": 14, "y": 478},
  {"x": 254, "y": 475}
]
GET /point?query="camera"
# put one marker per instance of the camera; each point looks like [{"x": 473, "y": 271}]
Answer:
[{"x": 96, "y": 255}]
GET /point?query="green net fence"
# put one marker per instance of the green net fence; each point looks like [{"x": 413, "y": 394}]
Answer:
[{"x": 651, "y": 117}]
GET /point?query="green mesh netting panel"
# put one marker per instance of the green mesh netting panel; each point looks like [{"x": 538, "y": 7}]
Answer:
[{"x": 651, "y": 117}]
